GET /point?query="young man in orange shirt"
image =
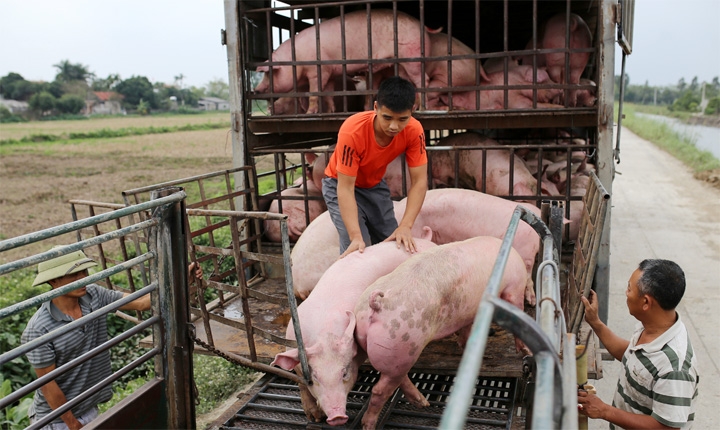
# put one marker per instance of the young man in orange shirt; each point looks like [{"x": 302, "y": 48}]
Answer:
[{"x": 356, "y": 195}]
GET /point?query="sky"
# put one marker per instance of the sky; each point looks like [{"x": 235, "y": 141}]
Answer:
[{"x": 161, "y": 39}]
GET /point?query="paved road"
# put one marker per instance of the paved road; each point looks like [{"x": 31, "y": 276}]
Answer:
[{"x": 660, "y": 211}]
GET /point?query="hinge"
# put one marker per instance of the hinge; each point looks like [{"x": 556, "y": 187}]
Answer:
[{"x": 223, "y": 37}]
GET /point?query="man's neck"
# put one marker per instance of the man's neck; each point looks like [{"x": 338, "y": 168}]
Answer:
[
  {"x": 655, "y": 326},
  {"x": 70, "y": 306}
]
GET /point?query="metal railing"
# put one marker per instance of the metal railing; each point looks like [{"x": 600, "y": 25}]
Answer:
[
  {"x": 555, "y": 389},
  {"x": 166, "y": 258}
]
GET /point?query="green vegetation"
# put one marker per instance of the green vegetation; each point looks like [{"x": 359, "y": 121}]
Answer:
[
  {"x": 682, "y": 97},
  {"x": 108, "y": 133},
  {"x": 680, "y": 146}
]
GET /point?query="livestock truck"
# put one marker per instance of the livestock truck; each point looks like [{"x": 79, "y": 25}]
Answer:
[{"x": 549, "y": 127}]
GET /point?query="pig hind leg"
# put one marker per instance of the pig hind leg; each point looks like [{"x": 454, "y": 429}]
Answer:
[
  {"x": 381, "y": 392},
  {"x": 412, "y": 394}
]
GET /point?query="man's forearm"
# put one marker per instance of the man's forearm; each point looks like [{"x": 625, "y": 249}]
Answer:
[
  {"x": 615, "y": 345},
  {"x": 55, "y": 399}
]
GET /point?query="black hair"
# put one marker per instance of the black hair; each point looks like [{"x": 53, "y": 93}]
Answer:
[
  {"x": 396, "y": 94},
  {"x": 662, "y": 280}
]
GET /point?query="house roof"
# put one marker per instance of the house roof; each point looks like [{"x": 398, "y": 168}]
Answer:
[{"x": 104, "y": 96}]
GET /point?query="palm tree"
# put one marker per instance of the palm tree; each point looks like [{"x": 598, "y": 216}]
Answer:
[{"x": 68, "y": 72}]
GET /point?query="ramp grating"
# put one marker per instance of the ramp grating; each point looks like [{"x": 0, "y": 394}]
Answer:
[{"x": 277, "y": 405}]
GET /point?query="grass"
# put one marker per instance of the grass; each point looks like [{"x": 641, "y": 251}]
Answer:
[
  {"x": 16, "y": 131},
  {"x": 680, "y": 146}
]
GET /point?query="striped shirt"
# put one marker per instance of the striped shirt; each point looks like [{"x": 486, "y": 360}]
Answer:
[
  {"x": 69, "y": 346},
  {"x": 660, "y": 378}
]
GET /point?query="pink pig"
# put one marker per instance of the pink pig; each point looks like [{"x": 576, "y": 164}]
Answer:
[
  {"x": 428, "y": 297},
  {"x": 454, "y": 214},
  {"x": 316, "y": 249},
  {"x": 409, "y": 34},
  {"x": 328, "y": 324},
  {"x": 517, "y": 98}
]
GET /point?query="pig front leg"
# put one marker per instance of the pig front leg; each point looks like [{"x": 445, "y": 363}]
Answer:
[
  {"x": 309, "y": 404},
  {"x": 325, "y": 85}
]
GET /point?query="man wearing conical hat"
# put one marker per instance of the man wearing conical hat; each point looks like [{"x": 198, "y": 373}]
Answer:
[{"x": 58, "y": 312}]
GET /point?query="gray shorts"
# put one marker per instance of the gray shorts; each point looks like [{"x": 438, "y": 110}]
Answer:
[
  {"x": 376, "y": 213},
  {"x": 84, "y": 419}
]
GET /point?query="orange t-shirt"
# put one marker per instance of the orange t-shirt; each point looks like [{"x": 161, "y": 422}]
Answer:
[{"x": 358, "y": 154}]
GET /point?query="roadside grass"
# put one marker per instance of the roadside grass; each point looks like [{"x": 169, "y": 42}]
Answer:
[
  {"x": 679, "y": 145},
  {"x": 660, "y": 110}
]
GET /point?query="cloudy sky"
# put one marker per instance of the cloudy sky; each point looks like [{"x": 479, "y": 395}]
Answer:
[{"x": 162, "y": 39}]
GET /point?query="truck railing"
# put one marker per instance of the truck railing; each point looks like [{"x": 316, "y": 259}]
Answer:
[
  {"x": 556, "y": 386},
  {"x": 165, "y": 257}
]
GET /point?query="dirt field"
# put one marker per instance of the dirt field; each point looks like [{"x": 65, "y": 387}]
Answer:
[{"x": 37, "y": 180}]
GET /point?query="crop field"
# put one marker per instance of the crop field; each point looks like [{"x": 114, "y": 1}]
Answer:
[
  {"x": 19, "y": 130},
  {"x": 38, "y": 179}
]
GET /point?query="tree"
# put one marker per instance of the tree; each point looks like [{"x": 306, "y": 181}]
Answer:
[
  {"x": 68, "y": 71},
  {"x": 7, "y": 83},
  {"x": 135, "y": 89},
  {"x": 694, "y": 84},
  {"x": 106, "y": 84},
  {"x": 713, "y": 107},
  {"x": 219, "y": 88},
  {"x": 70, "y": 103},
  {"x": 42, "y": 102},
  {"x": 681, "y": 85}
]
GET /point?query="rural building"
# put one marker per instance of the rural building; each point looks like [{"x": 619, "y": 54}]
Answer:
[
  {"x": 14, "y": 106},
  {"x": 213, "y": 103},
  {"x": 104, "y": 102}
]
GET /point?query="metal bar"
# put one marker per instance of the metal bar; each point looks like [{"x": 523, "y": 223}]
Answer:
[
  {"x": 293, "y": 303},
  {"x": 245, "y": 214},
  {"x": 544, "y": 398},
  {"x": 459, "y": 401},
  {"x": 94, "y": 389},
  {"x": 570, "y": 383},
  {"x": 102, "y": 312},
  {"x": 87, "y": 222},
  {"x": 36, "y": 384},
  {"x": 57, "y": 292},
  {"x": 616, "y": 152}
]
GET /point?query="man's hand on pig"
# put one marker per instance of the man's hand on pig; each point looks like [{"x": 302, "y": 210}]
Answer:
[{"x": 403, "y": 237}]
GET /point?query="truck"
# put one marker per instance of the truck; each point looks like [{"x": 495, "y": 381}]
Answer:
[{"x": 220, "y": 220}]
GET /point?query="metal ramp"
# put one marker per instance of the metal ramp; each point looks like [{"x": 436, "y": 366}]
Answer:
[{"x": 276, "y": 405}]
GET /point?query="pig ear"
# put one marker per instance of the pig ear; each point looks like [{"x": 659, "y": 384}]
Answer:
[
  {"x": 350, "y": 329},
  {"x": 427, "y": 233},
  {"x": 263, "y": 68},
  {"x": 310, "y": 157},
  {"x": 287, "y": 360}
]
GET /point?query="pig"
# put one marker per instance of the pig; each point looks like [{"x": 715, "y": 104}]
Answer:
[
  {"x": 316, "y": 250},
  {"x": 454, "y": 214},
  {"x": 517, "y": 99},
  {"x": 393, "y": 177},
  {"x": 409, "y": 34},
  {"x": 295, "y": 210},
  {"x": 497, "y": 168},
  {"x": 586, "y": 97},
  {"x": 327, "y": 326},
  {"x": 428, "y": 297},
  {"x": 464, "y": 71},
  {"x": 578, "y": 187},
  {"x": 286, "y": 105},
  {"x": 553, "y": 37}
]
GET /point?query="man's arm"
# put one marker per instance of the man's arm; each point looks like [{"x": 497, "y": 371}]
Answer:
[
  {"x": 349, "y": 213},
  {"x": 615, "y": 345},
  {"x": 143, "y": 303},
  {"x": 593, "y": 407},
  {"x": 56, "y": 398},
  {"x": 415, "y": 198}
]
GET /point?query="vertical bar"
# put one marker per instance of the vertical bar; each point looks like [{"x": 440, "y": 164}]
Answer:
[
  {"x": 544, "y": 398},
  {"x": 240, "y": 272},
  {"x": 173, "y": 307}
]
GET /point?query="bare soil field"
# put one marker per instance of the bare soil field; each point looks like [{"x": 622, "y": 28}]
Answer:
[{"x": 38, "y": 179}]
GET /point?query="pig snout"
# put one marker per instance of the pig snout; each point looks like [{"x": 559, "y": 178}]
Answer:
[{"x": 337, "y": 418}]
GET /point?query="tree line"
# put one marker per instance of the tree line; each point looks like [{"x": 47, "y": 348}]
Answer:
[
  {"x": 74, "y": 83},
  {"x": 682, "y": 97}
]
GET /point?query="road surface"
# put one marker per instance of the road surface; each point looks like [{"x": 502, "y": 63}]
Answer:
[{"x": 660, "y": 211}]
